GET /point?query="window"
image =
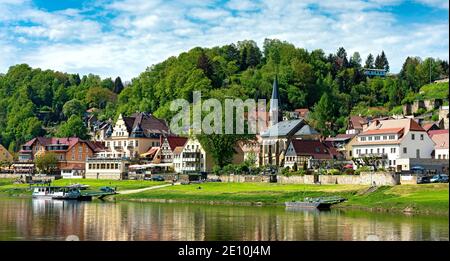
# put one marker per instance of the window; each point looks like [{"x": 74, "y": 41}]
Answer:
[
  {"x": 392, "y": 137},
  {"x": 382, "y": 150},
  {"x": 392, "y": 150},
  {"x": 363, "y": 138},
  {"x": 369, "y": 138},
  {"x": 421, "y": 136},
  {"x": 377, "y": 137},
  {"x": 366, "y": 151},
  {"x": 378, "y": 150},
  {"x": 384, "y": 137},
  {"x": 439, "y": 156},
  {"x": 371, "y": 151},
  {"x": 413, "y": 136},
  {"x": 418, "y": 153},
  {"x": 136, "y": 142},
  {"x": 350, "y": 153},
  {"x": 405, "y": 150}
]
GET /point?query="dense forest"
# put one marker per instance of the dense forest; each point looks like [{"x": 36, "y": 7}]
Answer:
[{"x": 44, "y": 102}]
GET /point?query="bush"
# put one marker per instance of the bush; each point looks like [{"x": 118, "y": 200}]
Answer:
[
  {"x": 229, "y": 169},
  {"x": 362, "y": 169},
  {"x": 295, "y": 167},
  {"x": 286, "y": 172},
  {"x": 334, "y": 172},
  {"x": 217, "y": 170}
]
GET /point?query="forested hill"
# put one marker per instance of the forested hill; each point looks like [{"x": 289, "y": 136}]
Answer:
[{"x": 37, "y": 102}]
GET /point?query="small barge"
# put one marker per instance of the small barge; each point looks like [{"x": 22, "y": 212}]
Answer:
[
  {"x": 68, "y": 193},
  {"x": 319, "y": 203}
]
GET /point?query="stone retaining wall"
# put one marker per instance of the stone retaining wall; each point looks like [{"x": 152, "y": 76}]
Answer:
[{"x": 365, "y": 178}]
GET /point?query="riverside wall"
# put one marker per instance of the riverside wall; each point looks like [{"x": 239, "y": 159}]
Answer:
[{"x": 365, "y": 178}]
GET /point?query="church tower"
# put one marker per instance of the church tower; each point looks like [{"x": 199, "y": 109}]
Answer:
[{"x": 275, "y": 113}]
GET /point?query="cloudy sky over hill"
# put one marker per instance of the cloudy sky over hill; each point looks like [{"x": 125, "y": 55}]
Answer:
[{"x": 122, "y": 37}]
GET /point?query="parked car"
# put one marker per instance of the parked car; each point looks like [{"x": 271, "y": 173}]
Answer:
[
  {"x": 423, "y": 179},
  {"x": 439, "y": 178},
  {"x": 214, "y": 180},
  {"x": 158, "y": 178}
]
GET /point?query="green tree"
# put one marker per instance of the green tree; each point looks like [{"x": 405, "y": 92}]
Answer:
[
  {"x": 118, "y": 85},
  {"x": 74, "y": 127},
  {"x": 74, "y": 107},
  {"x": 46, "y": 163},
  {"x": 369, "y": 62}
]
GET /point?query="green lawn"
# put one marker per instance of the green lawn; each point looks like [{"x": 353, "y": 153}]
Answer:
[
  {"x": 419, "y": 198},
  {"x": 7, "y": 188},
  {"x": 245, "y": 192}
]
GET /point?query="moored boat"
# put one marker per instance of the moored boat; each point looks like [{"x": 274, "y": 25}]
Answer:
[
  {"x": 319, "y": 203},
  {"x": 53, "y": 192}
]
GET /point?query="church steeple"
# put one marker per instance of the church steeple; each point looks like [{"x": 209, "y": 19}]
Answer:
[{"x": 275, "y": 113}]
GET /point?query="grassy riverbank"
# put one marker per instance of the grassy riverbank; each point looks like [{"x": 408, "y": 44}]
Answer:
[{"x": 424, "y": 198}]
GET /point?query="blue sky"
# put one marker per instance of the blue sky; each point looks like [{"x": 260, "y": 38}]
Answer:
[{"x": 123, "y": 37}]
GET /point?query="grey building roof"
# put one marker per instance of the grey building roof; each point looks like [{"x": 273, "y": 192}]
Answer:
[
  {"x": 283, "y": 128},
  {"x": 306, "y": 130}
]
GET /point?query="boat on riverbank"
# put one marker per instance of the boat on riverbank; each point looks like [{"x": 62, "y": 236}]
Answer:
[
  {"x": 68, "y": 193},
  {"x": 319, "y": 203}
]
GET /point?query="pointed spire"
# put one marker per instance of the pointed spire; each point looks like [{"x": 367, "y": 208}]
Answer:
[{"x": 274, "y": 110}]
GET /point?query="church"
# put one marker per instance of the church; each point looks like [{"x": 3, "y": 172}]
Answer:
[{"x": 276, "y": 138}]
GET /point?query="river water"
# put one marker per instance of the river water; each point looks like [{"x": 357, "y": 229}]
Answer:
[{"x": 27, "y": 219}]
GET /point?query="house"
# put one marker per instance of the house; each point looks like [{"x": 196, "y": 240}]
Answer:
[
  {"x": 302, "y": 152},
  {"x": 71, "y": 153},
  {"x": 106, "y": 168},
  {"x": 342, "y": 143},
  {"x": 134, "y": 135},
  {"x": 5, "y": 156},
  {"x": 374, "y": 72},
  {"x": 165, "y": 154},
  {"x": 193, "y": 158},
  {"x": 356, "y": 124},
  {"x": 441, "y": 149},
  {"x": 393, "y": 143},
  {"x": 275, "y": 139}
]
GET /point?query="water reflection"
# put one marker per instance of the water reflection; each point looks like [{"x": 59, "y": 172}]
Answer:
[{"x": 55, "y": 220}]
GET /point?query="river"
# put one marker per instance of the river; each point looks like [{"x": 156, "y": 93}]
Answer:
[{"x": 27, "y": 219}]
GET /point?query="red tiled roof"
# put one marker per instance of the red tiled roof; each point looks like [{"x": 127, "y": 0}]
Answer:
[
  {"x": 357, "y": 122},
  {"x": 176, "y": 141},
  {"x": 313, "y": 148},
  {"x": 382, "y": 131},
  {"x": 434, "y": 132},
  {"x": 441, "y": 140}
]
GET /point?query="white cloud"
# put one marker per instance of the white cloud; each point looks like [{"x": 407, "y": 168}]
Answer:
[{"x": 143, "y": 33}]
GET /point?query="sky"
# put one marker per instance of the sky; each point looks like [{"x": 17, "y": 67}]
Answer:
[{"x": 123, "y": 37}]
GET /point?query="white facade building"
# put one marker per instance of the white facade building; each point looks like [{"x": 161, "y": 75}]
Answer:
[{"x": 393, "y": 140}]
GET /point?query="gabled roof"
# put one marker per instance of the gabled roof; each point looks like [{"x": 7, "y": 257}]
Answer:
[
  {"x": 382, "y": 131},
  {"x": 70, "y": 142},
  {"x": 313, "y": 148},
  {"x": 149, "y": 123},
  {"x": 176, "y": 142},
  {"x": 306, "y": 130},
  {"x": 357, "y": 122},
  {"x": 341, "y": 137},
  {"x": 431, "y": 133},
  {"x": 283, "y": 128},
  {"x": 406, "y": 124},
  {"x": 441, "y": 140}
]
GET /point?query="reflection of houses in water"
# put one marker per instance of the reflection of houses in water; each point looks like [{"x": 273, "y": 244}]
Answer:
[{"x": 55, "y": 220}]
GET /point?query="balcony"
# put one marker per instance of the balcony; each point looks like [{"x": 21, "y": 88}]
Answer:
[
  {"x": 191, "y": 159},
  {"x": 118, "y": 148}
]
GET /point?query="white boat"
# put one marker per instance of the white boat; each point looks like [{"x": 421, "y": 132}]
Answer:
[{"x": 52, "y": 192}]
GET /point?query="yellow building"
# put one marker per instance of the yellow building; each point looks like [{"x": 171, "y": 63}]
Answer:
[{"x": 134, "y": 135}]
